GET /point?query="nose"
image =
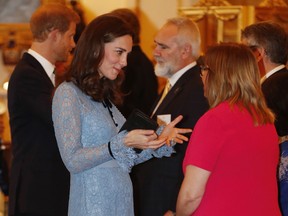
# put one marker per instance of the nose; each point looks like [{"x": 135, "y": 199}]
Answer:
[
  {"x": 73, "y": 44},
  {"x": 123, "y": 61},
  {"x": 156, "y": 51}
]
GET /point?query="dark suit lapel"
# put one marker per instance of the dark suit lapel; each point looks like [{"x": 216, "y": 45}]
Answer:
[
  {"x": 35, "y": 64},
  {"x": 175, "y": 90},
  {"x": 169, "y": 97}
]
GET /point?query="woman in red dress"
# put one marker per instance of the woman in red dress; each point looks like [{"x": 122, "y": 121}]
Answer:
[{"x": 231, "y": 161}]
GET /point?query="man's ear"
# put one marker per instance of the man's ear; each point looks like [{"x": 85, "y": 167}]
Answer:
[
  {"x": 259, "y": 53},
  {"x": 187, "y": 50},
  {"x": 54, "y": 34}
]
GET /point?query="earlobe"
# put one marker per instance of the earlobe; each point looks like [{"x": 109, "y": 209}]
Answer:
[
  {"x": 53, "y": 34},
  {"x": 259, "y": 54},
  {"x": 187, "y": 50}
]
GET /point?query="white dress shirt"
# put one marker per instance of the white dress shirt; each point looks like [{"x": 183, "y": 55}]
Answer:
[
  {"x": 173, "y": 79},
  {"x": 48, "y": 67},
  {"x": 274, "y": 70}
]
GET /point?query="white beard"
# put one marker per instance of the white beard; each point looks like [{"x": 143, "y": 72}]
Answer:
[{"x": 163, "y": 71}]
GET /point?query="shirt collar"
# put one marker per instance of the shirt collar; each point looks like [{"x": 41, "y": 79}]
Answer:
[
  {"x": 48, "y": 67},
  {"x": 173, "y": 79},
  {"x": 274, "y": 70}
]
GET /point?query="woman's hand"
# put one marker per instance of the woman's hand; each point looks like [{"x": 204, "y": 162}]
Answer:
[
  {"x": 174, "y": 135},
  {"x": 143, "y": 139}
]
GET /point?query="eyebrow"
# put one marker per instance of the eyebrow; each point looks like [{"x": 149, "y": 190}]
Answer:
[
  {"x": 161, "y": 44},
  {"x": 122, "y": 49}
]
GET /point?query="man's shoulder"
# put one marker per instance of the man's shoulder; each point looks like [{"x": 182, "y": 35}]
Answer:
[
  {"x": 280, "y": 77},
  {"x": 191, "y": 75},
  {"x": 27, "y": 61},
  {"x": 192, "y": 72}
]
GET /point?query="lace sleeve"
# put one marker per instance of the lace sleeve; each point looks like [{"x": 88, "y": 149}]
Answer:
[
  {"x": 163, "y": 151},
  {"x": 125, "y": 156},
  {"x": 66, "y": 114}
]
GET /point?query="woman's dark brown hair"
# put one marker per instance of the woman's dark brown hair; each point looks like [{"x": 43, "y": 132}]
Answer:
[{"x": 89, "y": 54}]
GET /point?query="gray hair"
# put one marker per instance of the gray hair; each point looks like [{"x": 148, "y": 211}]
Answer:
[
  {"x": 188, "y": 33},
  {"x": 272, "y": 37}
]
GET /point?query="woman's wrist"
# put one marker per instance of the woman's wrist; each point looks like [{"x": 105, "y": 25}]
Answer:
[{"x": 109, "y": 149}]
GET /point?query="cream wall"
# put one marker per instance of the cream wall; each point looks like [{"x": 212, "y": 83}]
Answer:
[
  {"x": 152, "y": 15},
  {"x": 94, "y": 8}
]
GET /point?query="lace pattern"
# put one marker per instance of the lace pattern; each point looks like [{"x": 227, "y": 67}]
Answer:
[
  {"x": 127, "y": 158},
  {"x": 100, "y": 185},
  {"x": 283, "y": 166}
]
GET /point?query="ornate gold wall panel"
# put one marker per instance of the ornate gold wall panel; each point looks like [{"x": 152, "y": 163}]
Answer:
[{"x": 216, "y": 23}]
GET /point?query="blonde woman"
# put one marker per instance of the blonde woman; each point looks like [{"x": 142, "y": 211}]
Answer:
[{"x": 231, "y": 160}]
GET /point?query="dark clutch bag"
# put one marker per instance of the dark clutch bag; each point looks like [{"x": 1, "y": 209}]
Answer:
[{"x": 139, "y": 120}]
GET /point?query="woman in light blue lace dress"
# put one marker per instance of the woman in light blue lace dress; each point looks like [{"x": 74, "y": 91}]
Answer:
[{"x": 87, "y": 124}]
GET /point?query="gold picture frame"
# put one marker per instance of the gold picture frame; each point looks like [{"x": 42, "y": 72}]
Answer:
[{"x": 216, "y": 23}]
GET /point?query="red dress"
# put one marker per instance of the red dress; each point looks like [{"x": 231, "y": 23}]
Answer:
[{"x": 242, "y": 159}]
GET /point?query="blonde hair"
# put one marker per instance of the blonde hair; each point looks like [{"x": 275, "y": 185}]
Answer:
[{"x": 234, "y": 77}]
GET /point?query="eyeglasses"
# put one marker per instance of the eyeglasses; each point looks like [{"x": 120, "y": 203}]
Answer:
[{"x": 204, "y": 68}]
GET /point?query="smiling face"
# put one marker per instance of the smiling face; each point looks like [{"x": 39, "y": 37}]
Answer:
[{"x": 115, "y": 57}]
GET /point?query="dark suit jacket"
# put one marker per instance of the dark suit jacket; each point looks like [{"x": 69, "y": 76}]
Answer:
[
  {"x": 39, "y": 182},
  {"x": 275, "y": 89},
  {"x": 140, "y": 84},
  {"x": 157, "y": 182}
]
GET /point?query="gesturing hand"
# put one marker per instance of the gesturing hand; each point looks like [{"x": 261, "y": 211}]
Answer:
[{"x": 174, "y": 135}]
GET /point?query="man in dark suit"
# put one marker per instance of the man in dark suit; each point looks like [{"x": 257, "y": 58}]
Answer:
[
  {"x": 140, "y": 85},
  {"x": 177, "y": 47},
  {"x": 39, "y": 182},
  {"x": 269, "y": 42}
]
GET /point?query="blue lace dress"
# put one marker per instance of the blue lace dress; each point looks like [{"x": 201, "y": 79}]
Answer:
[
  {"x": 100, "y": 185},
  {"x": 283, "y": 178}
]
